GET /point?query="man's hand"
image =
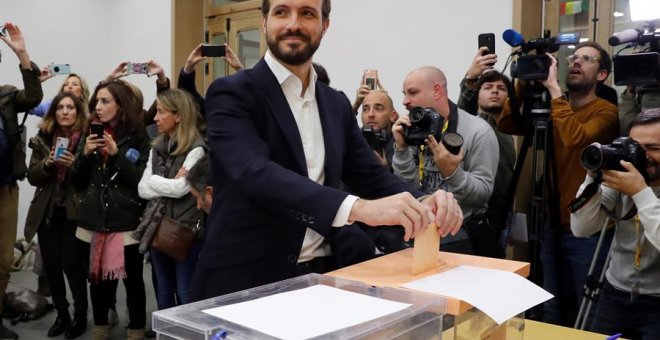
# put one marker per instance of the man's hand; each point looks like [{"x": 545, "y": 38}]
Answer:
[
  {"x": 447, "y": 212},
  {"x": 400, "y": 209},
  {"x": 446, "y": 161},
  {"x": 380, "y": 155},
  {"x": 629, "y": 182},
  {"x": 232, "y": 59},
  {"x": 481, "y": 63},
  {"x": 361, "y": 92},
  {"x": 397, "y": 132},
  {"x": 16, "y": 42},
  {"x": 551, "y": 83},
  {"x": 194, "y": 57}
]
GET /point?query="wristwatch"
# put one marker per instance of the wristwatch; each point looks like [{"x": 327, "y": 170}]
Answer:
[{"x": 470, "y": 81}]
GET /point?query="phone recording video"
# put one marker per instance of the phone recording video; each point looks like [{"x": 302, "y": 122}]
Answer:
[
  {"x": 59, "y": 69},
  {"x": 487, "y": 40},
  {"x": 370, "y": 78},
  {"x": 213, "y": 50},
  {"x": 61, "y": 145},
  {"x": 137, "y": 68}
]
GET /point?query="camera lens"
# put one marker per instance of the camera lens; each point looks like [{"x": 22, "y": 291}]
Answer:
[
  {"x": 592, "y": 158},
  {"x": 453, "y": 142},
  {"x": 56, "y": 69},
  {"x": 417, "y": 114}
]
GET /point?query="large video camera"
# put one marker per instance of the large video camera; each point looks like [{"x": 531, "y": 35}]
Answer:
[
  {"x": 639, "y": 68},
  {"x": 423, "y": 122},
  {"x": 606, "y": 157},
  {"x": 376, "y": 139},
  {"x": 535, "y": 66}
]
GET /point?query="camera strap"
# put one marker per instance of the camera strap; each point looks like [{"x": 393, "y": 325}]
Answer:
[
  {"x": 449, "y": 125},
  {"x": 588, "y": 192}
]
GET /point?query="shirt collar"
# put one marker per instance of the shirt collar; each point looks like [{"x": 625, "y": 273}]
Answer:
[{"x": 283, "y": 75}]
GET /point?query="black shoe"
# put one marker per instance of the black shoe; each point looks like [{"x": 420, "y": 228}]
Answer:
[
  {"x": 78, "y": 326},
  {"x": 6, "y": 333},
  {"x": 61, "y": 324},
  {"x": 149, "y": 334}
]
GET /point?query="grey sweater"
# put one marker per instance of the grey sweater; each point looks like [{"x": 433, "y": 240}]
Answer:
[
  {"x": 472, "y": 182},
  {"x": 590, "y": 218}
]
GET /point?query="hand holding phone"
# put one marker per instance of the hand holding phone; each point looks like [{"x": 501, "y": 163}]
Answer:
[
  {"x": 213, "y": 50},
  {"x": 487, "y": 40},
  {"x": 137, "y": 68},
  {"x": 96, "y": 129},
  {"x": 371, "y": 79},
  {"x": 61, "y": 145}
]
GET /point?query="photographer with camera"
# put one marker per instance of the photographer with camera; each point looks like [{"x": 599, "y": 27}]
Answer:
[
  {"x": 629, "y": 300},
  {"x": 12, "y": 152},
  {"x": 378, "y": 115},
  {"x": 483, "y": 93},
  {"x": 422, "y": 148},
  {"x": 578, "y": 118}
]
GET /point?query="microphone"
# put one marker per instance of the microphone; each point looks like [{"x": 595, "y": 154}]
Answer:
[
  {"x": 624, "y": 36},
  {"x": 132, "y": 155},
  {"x": 513, "y": 38}
]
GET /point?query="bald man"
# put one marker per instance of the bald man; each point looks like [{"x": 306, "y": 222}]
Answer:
[
  {"x": 378, "y": 113},
  {"x": 469, "y": 175}
]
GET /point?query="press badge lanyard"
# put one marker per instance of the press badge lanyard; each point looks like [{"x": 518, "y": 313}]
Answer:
[
  {"x": 423, "y": 147},
  {"x": 634, "y": 291}
]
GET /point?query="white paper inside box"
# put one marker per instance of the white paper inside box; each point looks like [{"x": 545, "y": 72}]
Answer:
[{"x": 307, "y": 307}]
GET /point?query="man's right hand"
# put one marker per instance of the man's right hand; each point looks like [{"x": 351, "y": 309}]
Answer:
[
  {"x": 194, "y": 58},
  {"x": 397, "y": 132},
  {"x": 400, "y": 209},
  {"x": 481, "y": 63}
]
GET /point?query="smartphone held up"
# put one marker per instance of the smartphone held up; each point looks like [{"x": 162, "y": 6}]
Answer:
[{"x": 371, "y": 79}]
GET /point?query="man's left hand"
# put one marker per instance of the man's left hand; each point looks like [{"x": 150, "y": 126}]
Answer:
[
  {"x": 446, "y": 161},
  {"x": 629, "y": 182},
  {"x": 447, "y": 212}
]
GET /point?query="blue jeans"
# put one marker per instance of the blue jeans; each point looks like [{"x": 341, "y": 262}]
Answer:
[
  {"x": 617, "y": 314},
  {"x": 173, "y": 278},
  {"x": 565, "y": 260}
]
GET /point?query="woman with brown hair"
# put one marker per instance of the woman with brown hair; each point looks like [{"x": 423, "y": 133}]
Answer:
[{"x": 52, "y": 214}]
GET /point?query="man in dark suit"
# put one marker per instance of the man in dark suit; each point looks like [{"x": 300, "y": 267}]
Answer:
[{"x": 281, "y": 143}]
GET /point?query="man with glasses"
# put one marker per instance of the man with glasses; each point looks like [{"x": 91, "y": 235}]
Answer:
[{"x": 579, "y": 118}]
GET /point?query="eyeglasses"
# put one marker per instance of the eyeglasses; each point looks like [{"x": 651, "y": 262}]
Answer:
[{"x": 587, "y": 59}]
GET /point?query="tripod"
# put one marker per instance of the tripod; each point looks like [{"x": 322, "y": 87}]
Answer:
[
  {"x": 538, "y": 140},
  {"x": 592, "y": 286}
]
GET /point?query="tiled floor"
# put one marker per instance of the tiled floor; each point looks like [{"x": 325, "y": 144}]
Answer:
[{"x": 37, "y": 329}]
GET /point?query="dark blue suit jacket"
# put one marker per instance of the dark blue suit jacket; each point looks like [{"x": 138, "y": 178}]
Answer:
[{"x": 263, "y": 200}]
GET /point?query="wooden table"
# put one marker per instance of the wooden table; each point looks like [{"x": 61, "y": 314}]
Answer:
[{"x": 395, "y": 269}]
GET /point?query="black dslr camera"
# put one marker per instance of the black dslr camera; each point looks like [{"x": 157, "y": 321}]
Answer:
[
  {"x": 606, "y": 157},
  {"x": 376, "y": 139},
  {"x": 423, "y": 122}
]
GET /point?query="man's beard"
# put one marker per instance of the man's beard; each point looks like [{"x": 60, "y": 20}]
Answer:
[
  {"x": 581, "y": 85},
  {"x": 297, "y": 55},
  {"x": 494, "y": 109}
]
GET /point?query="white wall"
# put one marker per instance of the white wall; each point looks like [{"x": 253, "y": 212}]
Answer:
[
  {"x": 91, "y": 35},
  {"x": 391, "y": 36},
  {"x": 396, "y": 37}
]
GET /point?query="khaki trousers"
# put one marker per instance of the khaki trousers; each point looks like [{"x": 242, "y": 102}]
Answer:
[{"x": 8, "y": 222}]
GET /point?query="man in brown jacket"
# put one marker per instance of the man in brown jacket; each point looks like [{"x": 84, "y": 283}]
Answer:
[{"x": 12, "y": 152}]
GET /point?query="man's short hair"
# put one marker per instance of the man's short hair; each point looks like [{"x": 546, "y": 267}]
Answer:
[
  {"x": 493, "y": 76},
  {"x": 604, "y": 62},
  {"x": 325, "y": 10},
  {"x": 199, "y": 176},
  {"x": 647, "y": 117}
]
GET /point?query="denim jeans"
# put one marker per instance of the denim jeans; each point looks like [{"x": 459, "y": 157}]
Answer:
[
  {"x": 173, "y": 278},
  {"x": 639, "y": 319},
  {"x": 565, "y": 260}
]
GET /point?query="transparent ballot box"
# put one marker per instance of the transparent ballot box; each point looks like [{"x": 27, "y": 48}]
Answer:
[{"x": 422, "y": 319}]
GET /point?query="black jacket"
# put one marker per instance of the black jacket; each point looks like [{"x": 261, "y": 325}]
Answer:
[{"x": 107, "y": 199}]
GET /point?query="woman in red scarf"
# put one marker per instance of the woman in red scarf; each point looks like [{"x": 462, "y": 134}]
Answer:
[
  {"x": 107, "y": 171},
  {"x": 52, "y": 213}
]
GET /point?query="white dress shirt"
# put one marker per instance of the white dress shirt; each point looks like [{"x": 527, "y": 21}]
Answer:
[{"x": 306, "y": 114}]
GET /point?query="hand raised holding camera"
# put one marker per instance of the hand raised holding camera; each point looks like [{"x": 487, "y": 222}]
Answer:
[
  {"x": 14, "y": 39},
  {"x": 117, "y": 72},
  {"x": 551, "y": 83},
  {"x": 232, "y": 59},
  {"x": 157, "y": 70}
]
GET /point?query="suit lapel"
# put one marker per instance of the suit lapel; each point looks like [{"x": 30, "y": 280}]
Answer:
[
  {"x": 276, "y": 104},
  {"x": 329, "y": 121}
]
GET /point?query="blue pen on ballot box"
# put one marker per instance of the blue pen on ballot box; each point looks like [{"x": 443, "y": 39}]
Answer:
[
  {"x": 220, "y": 335},
  {"x": 613, "y": 337}
]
